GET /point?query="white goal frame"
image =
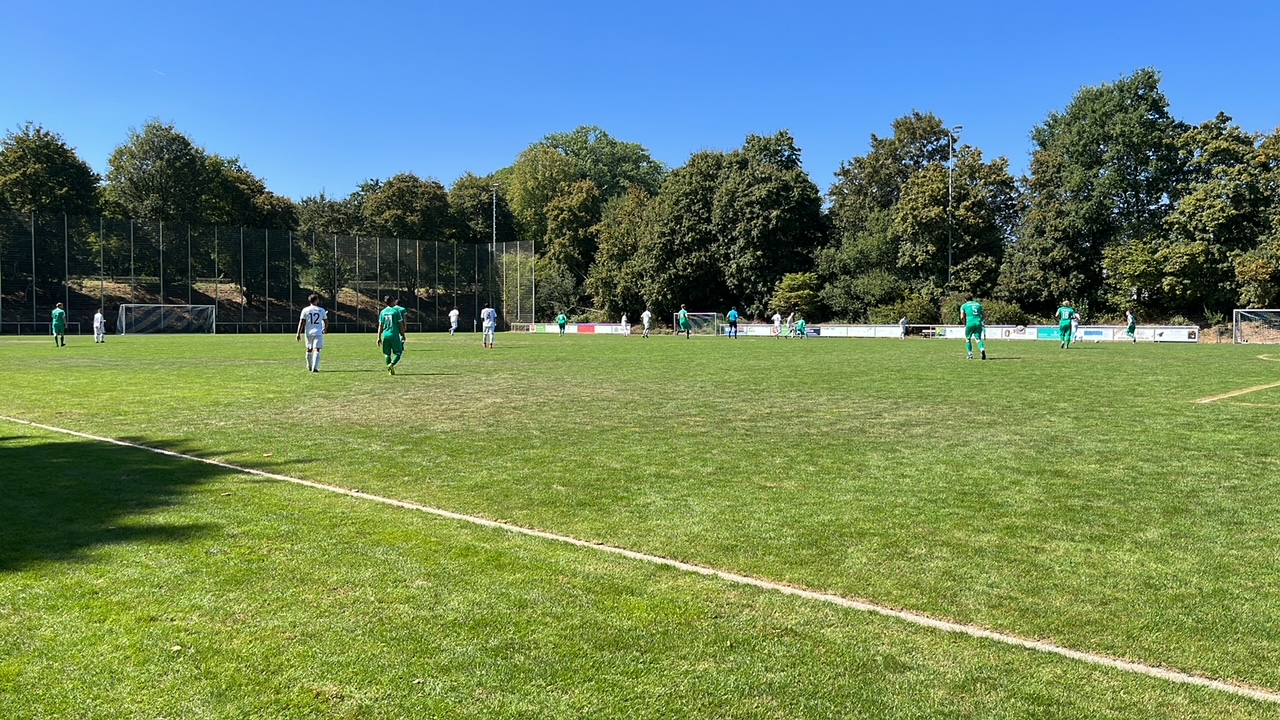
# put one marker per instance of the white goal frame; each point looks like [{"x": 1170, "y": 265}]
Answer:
[
  {"x": 703, "y": 323},
  {"x": 149, "y": 318},
  {"x": 1255, "y": 326}
]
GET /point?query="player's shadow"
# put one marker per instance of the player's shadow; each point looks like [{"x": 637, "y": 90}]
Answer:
[
  {"x": 60, "y": 497},
  {"x": 993, "y": 359}
]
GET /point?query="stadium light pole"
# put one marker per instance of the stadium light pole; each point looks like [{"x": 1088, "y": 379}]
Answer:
[
  {"x": 493, "y": 247},
  {"x": 951, "y": 136}
]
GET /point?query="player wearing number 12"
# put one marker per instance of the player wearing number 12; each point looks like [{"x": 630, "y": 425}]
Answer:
[
  {"x": 974, "y": 325},
  {"x": 391, "y": 334},
  {"x": 1064, "y": 315},
  {"x": 313, "y": 321}
]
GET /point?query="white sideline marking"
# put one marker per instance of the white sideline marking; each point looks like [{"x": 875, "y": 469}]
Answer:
[
  {"x": 1235, "y": 393},
  {"x": 1176, "y": 676}
]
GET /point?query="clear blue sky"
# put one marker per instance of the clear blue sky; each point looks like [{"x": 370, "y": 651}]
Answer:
[{"x": 321, "y": 95}]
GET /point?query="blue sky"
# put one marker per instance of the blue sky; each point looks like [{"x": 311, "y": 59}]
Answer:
[{"x": 322, "y": 95}]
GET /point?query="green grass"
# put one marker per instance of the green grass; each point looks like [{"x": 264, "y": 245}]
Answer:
[{"x": 1078, "y": 497}]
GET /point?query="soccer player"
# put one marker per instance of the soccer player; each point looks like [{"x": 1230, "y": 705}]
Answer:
[
  {"x": 391, "y": 334},
  {"x": 453, "y": 321},
  {"x": 58, "y": 322},
  {"x": 1132, "y": 321},
  {"x": 732, "y": 317},
  {"x": 99, "y": 327},
  {"x": 790, "y": 317},
  {"x": 561, "y": 320},
  {"x": 777, "y": 324},
  {"x": 404, "y": 316},
  {"x": 971, "y": 316},
  {"x": 902, "y": 327},
  {"x": 1075, "y": 328},
  {"x": 646, "y": 317},
  {"x": 488, "y": 323},
  {"x": 802, "y": 328},
  {"x": 314, "y": 320},
  {"x": 626, "y": 327},
  {"x": 1064, "y": 314},
  {"x": 684, "y": 323}
]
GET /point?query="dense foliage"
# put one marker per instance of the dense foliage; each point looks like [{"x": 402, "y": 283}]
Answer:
[{"x": 1124, "y": 206}]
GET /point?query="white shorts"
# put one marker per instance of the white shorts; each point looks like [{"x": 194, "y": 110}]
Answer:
[{"x": 315, "y": 339}]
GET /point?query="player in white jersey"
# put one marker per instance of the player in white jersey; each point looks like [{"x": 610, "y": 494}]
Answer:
[
  {"x": 777, "y": 324},
  {"x": 99, "y": 327},
  {"x": 313, "y": 321},
  {"x": 488, "y": 321},
  {"x": 646, "y": 317},
  {"x": 453, "y": 321},
  {"x": 626, "y": 327},
  {"x": 1075, "y": 328}
]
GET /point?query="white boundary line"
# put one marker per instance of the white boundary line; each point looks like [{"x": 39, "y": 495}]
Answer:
[
  {"x": 914, "y": 618},
  {"x": 1245, "y": 391}
]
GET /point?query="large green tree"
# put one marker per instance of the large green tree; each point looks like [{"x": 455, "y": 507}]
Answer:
[
  {"x": 409, "y": 207},
  {"x": 40, "y": 173},
  {"x": 907, "y": 223},
  {"x": 1102, "y": 174},
  {"x": 614, "y": 279},
  {"x": 767, "y": 219},
  {"x": 474, "y": 201},
  {"x": 612, "y": 165},
  {"x": 157, "y": 174}
]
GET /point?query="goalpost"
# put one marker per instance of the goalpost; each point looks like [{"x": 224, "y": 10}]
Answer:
[
  {"x": 701, "y": 323},
  {"x": 1256, "y": 326},
  {"x": 138, "y": 318}
]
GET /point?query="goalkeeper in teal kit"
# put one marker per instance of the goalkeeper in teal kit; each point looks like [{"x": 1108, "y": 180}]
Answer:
[{"x": 974, "y": 327}]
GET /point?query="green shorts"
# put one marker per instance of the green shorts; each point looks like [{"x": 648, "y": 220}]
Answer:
[
  {"x": 973, "y": 330},
  {"x": 59, "y": 329},
  {"x": 391, "y": 343}
]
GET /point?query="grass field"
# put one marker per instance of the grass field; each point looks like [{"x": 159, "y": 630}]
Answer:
[{"x": 1078, "y": 497}]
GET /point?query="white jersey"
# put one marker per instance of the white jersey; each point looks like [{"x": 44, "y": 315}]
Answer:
[
  {"x": 313, "y": 318},
  {"x": 453, "y": 316},
  {"x": 646, "y": 317},
  {"x": 777, "y": 320},
  {"x": 99, "y": 322},
  {"x": 488, "y": 317},
  {"x": 624, "y": 318}
]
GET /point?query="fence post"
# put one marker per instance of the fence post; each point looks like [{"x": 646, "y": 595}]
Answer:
[
  {"x": 33, "y": 271},
  {"x": 356, "y": 282},
  {"x": 161, "y": 243},
  {"x": 217, "y": 275},
  {"x": 266, "y": 281},
  {"x": 190, "y": 280},
  {"x": 243, "y": 294},
  {"x": 66, "y": 265},
  {"x": 133, "y": 276},
  {"x": 102, "y": 263},
  {"x": 291, "y": 306}
]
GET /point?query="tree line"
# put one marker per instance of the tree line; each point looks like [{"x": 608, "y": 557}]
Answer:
[{"x": 1123, "y": 207}]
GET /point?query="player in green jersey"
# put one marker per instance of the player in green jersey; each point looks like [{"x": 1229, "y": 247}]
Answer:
[
  {"x": 1132, "y": 330},
  {"x": 684, "y": 323},
  {"x": 59, "y": 323},
  {"x": 391, "y": 334},
  {"x": 562, "y": 320},
  {"x": 1064, "y": 315},
  {"x": 404, "y": 316},
  {"x": 802, "y": 328},
  {"x": 974, "y": 326}
]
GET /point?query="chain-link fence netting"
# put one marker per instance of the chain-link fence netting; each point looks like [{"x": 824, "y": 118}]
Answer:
[{"x": 257, "y": 279}]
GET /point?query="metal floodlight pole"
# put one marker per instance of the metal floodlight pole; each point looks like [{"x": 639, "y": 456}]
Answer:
[
  {"x": 951, "y": 134},
  {"x": 493, "y": 245}
]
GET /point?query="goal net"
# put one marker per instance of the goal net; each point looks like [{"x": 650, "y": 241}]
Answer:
[
  {"x": 1256, "y": 326},
  {"x": 136, "y": 318},
  {"x": 700, "y": 323}
]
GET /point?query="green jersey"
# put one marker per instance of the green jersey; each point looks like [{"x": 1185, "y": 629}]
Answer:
[
  {"x": 800, "y": 326},
  {"x": 561, "y": 319},
  {"x": 1064, "y": 314},
  {"x": 684, "y": 318},
  {"x": 59, "y": 317},
  {"x": 389, "y": 321},
  {"x": 400, "y": 311},
  {"x": 971, "y": 312}
]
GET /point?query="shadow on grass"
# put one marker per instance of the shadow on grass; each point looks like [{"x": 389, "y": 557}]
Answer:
[{"x": 61, "y": 497}]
